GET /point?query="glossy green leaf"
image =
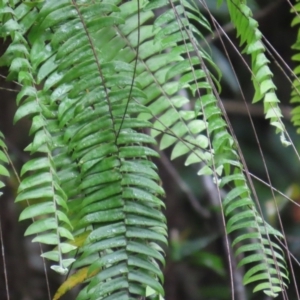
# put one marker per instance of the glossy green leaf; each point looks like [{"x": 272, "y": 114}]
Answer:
[
  {"x": 36, "y": 210},
  {"x": 139, "y": 248},
  {"x": 145, "y": 279},
  {"x": 3, "y": 171},
  {"x": 108, "y": 243},
  {"x": 141, "y": 233},
  {"x": 34, "y": 180},
  {"x": 40, "y": 193},
  {"x": 49, "y": 239},
  {"x": 27, "y": 108},
  {"x": 41, "y": 226}
]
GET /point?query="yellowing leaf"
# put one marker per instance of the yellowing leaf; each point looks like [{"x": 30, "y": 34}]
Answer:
[
  {"x": 80, "y": 239},
  {"x": 80, "y": 276}
]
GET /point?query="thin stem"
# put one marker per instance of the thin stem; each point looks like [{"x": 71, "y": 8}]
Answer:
[
  {"x": 135, "y": 67},
  {"x": 4, "y": 263}
]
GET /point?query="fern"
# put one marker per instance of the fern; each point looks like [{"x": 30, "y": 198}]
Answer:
[
  {"x": 222, "y": 160},
  {"x": 295, "y": 87},
  {"x": 247, "y": 30},
  {"x": 3, "y": 161},
  {"x": 118, "y": 183},
  {"x": 109, "y": 72},
  {"x": 52, "y": 225}
]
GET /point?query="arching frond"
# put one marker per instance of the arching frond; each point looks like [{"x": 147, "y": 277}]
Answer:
[
  {"x": 97, "y": 77},
  {"x": 3, "y": 161},
  {"x": 251, "y": 37},
  {"x": 295, "y": 98},
  {"x": 84, "y": 123},
  {"x": 219, "y": 155},
  {"x": 41, "y": 185}
]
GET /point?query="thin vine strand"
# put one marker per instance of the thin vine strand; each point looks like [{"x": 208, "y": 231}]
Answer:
[
  {"x": 4, "y": 263},
  {"x": 134, "y": 68}
]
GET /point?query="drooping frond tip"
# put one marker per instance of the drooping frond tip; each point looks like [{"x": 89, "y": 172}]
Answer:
[{"x": 252, "y": 38}]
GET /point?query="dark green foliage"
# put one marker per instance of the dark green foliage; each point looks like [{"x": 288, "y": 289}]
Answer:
[{"x": 100, "y": 81}]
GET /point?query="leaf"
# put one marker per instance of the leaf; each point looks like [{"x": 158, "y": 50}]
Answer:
[
  {"x": 78, "y": 277},
  {"x": 139, "y": 248},
  {"x": 41, "y": 226},
  {"x": 48, "y": 238},
  {"x": 110, "y": 243},
  {"x": 44, "y": 192},
  {"x": 241, "y": 16},
  {"x": 145, "y": 279},
  {"x": 60, "y": 269},
  {"x": 34, "y": 180},
  {"x": 3, "y": 171},
  {"x": 27, "y": 108},
  {"x": 37, "y": 210}
]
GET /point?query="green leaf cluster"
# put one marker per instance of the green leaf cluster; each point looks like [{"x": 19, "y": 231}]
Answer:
[
  {"x": 295, "y": 98},
  {"x": 102, "y": 81},
  {"x": 3, "y": 161},
  {"x": 252, "y": 38}
]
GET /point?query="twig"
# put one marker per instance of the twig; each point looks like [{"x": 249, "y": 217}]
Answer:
[
  {"x": 4, "y": 263},
  {"x": 10, "y": 90},
  {"x": 236, "y": 107},
  {"x": 4, "y": 77}
]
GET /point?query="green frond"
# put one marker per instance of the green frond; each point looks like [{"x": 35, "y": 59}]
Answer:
[
  {"x": 169, "y": 74},
  {"x": 268, "y": 267},
  {"x": 296, "y": 85},
  {"x": 100, "y": 157},
  {"x": 3, "y": 161},
  {"x": 102, "y": 81},
  {"x": 189, "y": 133},
  {"x": 241, "y": 212},
  {"x": 40, "y": 186},
  {"x": 251, "y": 37}
]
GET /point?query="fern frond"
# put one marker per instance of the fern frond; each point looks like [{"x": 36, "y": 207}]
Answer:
[
  {"x": 168, "y": 74},
  {"x": 220, "y": 158},
  {"x": 251, "y": 37},
  {"x": 105, "y": 78},
  {"x": 3, "y": 161},
  {"x": 117, "y": 195},
  {"x": 295, "y": 98},
  {"x": 40, "y": 187}
]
